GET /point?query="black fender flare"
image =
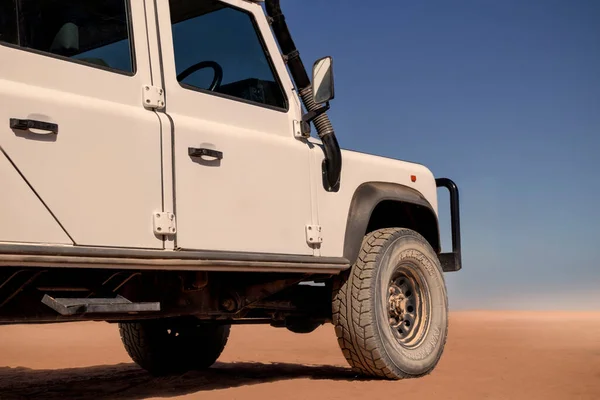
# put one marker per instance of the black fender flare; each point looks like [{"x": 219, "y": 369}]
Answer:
[{"x": 364, "y": 201}]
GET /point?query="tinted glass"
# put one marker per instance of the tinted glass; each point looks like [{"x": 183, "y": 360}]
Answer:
[
  {"x": 8, "y": 21},
  {"x": 91, "y": 31},
  {"x": 212, "y": 31}
]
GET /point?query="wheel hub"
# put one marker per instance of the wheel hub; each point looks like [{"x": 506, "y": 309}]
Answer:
[
  {"x": 397, "y": 303},
  {"x": 405, "y": 303}
]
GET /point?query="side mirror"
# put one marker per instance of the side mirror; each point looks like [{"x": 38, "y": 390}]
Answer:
[{"x": 323, "y": 87}]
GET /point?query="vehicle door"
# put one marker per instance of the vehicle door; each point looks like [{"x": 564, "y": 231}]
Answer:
[
  {"x": 241, "y": 178},
  {"x": 72, "y": 120}
]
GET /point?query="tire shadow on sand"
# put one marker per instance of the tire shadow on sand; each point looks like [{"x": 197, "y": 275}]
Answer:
[{"x": 129, "y": 382}]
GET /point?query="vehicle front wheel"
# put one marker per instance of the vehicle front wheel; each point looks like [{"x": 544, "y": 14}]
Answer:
[
  {"x": 173, "y": 346},
  {"x": 391, "y": 311}
]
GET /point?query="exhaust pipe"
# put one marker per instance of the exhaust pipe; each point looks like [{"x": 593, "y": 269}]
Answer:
[{"x": 333, "y": 156}]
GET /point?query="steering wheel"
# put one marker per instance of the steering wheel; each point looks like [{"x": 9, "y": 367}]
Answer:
[{"x": 204, "y": 64}]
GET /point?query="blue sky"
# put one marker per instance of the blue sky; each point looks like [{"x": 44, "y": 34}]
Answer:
[{"x": 503, "y": 96}]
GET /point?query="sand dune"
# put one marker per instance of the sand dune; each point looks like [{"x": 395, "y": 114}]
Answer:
[{"x": 490, "y": 355}]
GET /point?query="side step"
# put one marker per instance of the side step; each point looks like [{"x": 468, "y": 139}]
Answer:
[{"x": 119, "y": 304}]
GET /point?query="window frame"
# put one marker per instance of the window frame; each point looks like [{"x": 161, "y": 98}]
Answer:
[
  {"x": 131, "y": 38},
  {"x": 268, "y": 56}
]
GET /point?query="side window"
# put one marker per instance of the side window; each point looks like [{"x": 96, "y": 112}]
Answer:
[
  {"x": 8, "y": 21},
  {"x": 218, "y": 49},
  {"x": 95, "y": 32}
]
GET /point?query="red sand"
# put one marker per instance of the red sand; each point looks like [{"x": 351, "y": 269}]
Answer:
[{"x": 489, "y": 355}]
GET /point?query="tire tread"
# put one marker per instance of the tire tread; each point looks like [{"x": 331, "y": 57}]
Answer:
[
  {"x": 141, "y": 344},
  {"x": 353, "y": 317}
]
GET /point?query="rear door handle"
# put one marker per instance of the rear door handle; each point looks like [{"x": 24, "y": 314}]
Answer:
[
  {"x": 27, "y": 124},
  {"x": 202, "y": 152}
]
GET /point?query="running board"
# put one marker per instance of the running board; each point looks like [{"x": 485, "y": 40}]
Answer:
[
  {"x": 117, "y": 305},
  {"x": 42, "y": 256}
]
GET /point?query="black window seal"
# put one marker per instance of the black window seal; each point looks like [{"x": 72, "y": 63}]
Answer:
[
  {"x": 268, "y": 56},
  {"x": 132, "y": 52}
]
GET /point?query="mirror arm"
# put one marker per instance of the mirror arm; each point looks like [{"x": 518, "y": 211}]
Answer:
[{"x": 311, "y": 115}]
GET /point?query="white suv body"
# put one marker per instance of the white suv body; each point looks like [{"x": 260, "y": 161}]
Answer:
[
  {"x": 114, "y": 163},
  {"x": 112, "y": 156}
]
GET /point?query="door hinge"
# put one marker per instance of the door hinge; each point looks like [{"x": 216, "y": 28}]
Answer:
[
  {"x": 301, "y": 130},
  {"x": 164, "y": 223},
  {"x": 154, "y": 97},
  {"x": 313, "y": 234}
]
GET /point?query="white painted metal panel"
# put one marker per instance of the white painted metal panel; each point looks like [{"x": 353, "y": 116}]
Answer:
[
  {"x": 359, "y": 168},
  {"x": 23, "y": 217},
  {"x": 257, "y": 198},
  {"x": 101, "y": 174}
]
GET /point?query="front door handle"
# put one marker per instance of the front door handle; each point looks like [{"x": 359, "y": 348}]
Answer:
[
  {"x": 202, "y": 152},
  {"x": 27, "y": 124}
]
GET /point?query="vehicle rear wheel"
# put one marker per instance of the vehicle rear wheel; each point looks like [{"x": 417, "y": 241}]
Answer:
[
  {"x": 391, "y": 311},
  {"x": 173, "y": 346}
]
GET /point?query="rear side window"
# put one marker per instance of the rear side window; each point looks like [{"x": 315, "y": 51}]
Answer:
[
  {"x": 8, "y": 21},
  {"x": 95, "y": 32}
]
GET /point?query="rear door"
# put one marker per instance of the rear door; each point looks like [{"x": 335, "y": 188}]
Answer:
[
  {"x": 229, "y": 98},
  {"x": 81, "y": 66}
]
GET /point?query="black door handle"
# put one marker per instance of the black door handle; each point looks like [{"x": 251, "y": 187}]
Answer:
[
  {"x": 26, "y": 124},
  {"x": 202, "y": 152}
]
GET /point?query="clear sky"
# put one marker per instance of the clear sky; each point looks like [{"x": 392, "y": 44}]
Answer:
[{"x": 503, "y": 96}]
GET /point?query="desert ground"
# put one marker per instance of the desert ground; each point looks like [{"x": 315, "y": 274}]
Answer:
[{"x": 489, "y": 355}]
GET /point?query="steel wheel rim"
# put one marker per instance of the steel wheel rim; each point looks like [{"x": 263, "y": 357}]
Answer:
[{"x": 408, "y": 303}]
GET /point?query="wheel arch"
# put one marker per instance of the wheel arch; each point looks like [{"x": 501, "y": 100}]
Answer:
[{"x": 377, "y": 205}]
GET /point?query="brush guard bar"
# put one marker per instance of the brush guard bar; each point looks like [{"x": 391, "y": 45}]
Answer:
[{"x": 452, "y": 262}]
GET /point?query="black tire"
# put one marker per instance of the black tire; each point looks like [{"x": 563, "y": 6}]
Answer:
[
  {"x": 164, "y": 347},
  {"x": 374, "y": 304}
]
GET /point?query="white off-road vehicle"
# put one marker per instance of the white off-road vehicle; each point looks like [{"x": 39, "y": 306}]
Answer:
[{"x": 158, "y": 171}]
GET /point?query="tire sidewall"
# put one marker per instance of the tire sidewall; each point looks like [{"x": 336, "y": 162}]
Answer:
[{"x": 410, "y": 248}]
